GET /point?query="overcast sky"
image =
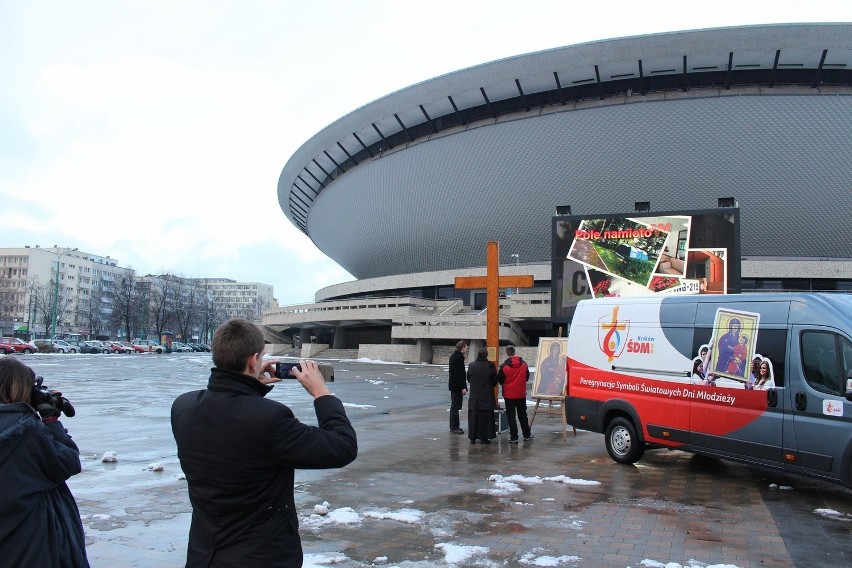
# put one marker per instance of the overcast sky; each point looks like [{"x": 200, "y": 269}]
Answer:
[{"x": 154, "y": 131}]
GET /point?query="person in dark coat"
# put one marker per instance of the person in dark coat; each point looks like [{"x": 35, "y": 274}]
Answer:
[
  {"x": 239, "y": 452},
  {"x": 482, "y": 376},
  {"x": 513, "y": 374},
  {"x": 39, "y": 520},
  {"x": 458, "y": 386}
]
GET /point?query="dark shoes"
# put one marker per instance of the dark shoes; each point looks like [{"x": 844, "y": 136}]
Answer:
[
  {"x": 515, "y": 441},
  {"x": 457, "y": 431},
  {"x": 528, "y": 438}
]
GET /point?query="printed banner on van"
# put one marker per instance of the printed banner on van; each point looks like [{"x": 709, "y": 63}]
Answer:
[{"x": 642, "y": 254}]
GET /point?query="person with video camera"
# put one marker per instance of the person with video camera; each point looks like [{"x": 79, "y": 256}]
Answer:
[
  {"x": 39, "y": 521},
  {"x": 239, "y": 452}
]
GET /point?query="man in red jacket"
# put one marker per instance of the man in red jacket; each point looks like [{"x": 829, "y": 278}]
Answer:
[{"x": 513, "y": 375}]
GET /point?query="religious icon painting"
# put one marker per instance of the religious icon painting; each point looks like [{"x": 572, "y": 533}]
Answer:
[
  {"x": 551, "y": 377},
  {"x": 733, "y": 344}
]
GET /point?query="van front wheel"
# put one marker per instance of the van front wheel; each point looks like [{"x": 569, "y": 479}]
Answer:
[{"x": 622, "y": 442}]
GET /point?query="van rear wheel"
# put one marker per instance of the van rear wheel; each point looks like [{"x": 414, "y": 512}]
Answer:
[{"x": 622, "y": 441}]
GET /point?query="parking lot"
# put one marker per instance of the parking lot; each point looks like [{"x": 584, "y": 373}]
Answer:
[{"x": 418, "y": 496}]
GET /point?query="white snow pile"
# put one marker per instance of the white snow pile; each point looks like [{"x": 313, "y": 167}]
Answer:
[
  {"x": 410, "y": 516},
  {"x": 156, "y": 466},
  {"x": 341, "y": 516},
  {"x": 109, "y": 457},
  {"x": 832, "y": 514},
  {"x": 351, "y": 405},
  {"x": 509, "y": 484},
  {"x": 533, "y": 560},
  {"x": 455, "y": 553},
  {"x": 689, "y": 564},
  {"x": 501, "y": 487},
  {"x": 318, "y": 560},
  {"x": 774, "y": 486},
  {"x": 96, "y": 516},
  {"x": 571, "y": 480}
]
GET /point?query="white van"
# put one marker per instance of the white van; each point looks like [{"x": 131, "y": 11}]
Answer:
[{"x": 764, "y": 379}]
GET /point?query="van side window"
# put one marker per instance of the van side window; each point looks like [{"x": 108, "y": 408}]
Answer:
[
  {"x": 771, "y": 345},
  {"x": 826, "y": 359}
]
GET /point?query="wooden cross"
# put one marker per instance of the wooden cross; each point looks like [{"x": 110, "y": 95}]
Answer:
[{"x": 492, "y": 282}]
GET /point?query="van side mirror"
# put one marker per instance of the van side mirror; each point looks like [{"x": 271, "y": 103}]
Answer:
[{"x": 849, "y": 386}]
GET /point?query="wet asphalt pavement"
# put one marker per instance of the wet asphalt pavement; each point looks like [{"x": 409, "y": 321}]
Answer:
[{"x": 420, "y": 496}]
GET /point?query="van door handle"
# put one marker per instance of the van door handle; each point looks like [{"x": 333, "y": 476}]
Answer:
[
  {"x": 801, "y": 401},
  {"x": 772, "y": 398}
]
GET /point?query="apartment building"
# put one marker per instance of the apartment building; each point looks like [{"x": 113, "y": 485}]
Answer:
[
  {"x": 43, "y": 285},
  {"x": 240, "y": 299}
]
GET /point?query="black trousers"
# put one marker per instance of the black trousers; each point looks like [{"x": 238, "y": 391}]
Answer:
[
  {"x": 456, "y": 399},
  {"x": 517, "y": 406}
]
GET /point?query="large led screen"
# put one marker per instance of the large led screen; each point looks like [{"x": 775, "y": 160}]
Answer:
[{"x": 641, "y": 254}]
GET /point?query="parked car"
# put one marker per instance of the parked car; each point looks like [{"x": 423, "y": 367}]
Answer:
[
  {"x": 119, "y": 347},
  {"x": 82, "y": 347},
  {"x": 15, "y": 345},
  {"x": 95, "y": 347},
  {"x": 149, "y": 345},
  {"x": 54, "y": 346},
  {"x": 200, "y": 347},
  {"x": 179, "y": 347},
  {"x": 136, "y": 348},
  {"x": 75, "y": 346}
]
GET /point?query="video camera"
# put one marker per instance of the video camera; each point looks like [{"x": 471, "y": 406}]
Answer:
[{"x": 42, "y": 396}]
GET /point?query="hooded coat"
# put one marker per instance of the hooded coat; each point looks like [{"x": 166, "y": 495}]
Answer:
[
  {"x": 239, "y": 452},
  {"x": 39, "y": 520},
  {"x": 513, "y": 375}
]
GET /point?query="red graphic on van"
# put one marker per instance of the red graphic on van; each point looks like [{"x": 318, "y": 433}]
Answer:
[{"x": 610, "y": 338}]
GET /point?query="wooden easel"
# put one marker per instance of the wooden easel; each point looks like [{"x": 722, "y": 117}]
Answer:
[{"x": 550, "y": 402}]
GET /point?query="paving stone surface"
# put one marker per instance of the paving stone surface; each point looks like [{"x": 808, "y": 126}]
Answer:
[{"x": 422, "y": 496}]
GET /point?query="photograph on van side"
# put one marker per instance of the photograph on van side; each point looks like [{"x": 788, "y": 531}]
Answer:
[
  {"x": 760, "y": 375},
  {"x": 733, "y": 345}
]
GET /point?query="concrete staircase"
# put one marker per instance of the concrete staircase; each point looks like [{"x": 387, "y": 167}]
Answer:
[{"x": 337, "y": 354}]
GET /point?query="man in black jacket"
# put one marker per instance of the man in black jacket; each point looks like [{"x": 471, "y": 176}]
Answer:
[
  {"x": 458, "y": 385},
  {"x": 239, "y": 452}
]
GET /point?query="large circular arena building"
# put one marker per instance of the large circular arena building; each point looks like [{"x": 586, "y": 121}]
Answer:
[{"x": 405, "y": 192}]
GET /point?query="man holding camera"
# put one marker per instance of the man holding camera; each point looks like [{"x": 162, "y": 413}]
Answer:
[{"x": 239, "y": 452}]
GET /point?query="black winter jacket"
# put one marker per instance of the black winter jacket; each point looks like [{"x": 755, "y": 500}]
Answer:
[
  {"x": 239, "y": 452},
  {"x": 458, "y": 382},
  {"x": 39, "y": 520}
]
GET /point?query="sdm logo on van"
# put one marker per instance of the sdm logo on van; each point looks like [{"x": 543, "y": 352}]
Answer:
[{"x": 612, "y": 334}]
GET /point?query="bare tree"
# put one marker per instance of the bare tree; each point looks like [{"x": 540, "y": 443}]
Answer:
[
  {"x": 162, "y": 301},
  {"x": 189, "y": 307},
  {"x": 127, "y": 304},
  {"x": 8, "y": 297},
  {"x": 97, "y": 321},
  {"x": 46, "y": 298}
]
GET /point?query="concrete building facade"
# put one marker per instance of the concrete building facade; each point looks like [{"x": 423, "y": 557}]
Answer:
[{"x": 422, "y": 178}]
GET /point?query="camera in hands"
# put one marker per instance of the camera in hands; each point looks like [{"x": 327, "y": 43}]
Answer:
[
  {"x": 282, "y": 370},
  {"x": 49, "y": 404}
]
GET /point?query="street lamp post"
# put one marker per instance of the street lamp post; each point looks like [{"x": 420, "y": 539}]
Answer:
[
  {"x": 56, "y": 291},
  {"x": 517, "y": 262}
]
